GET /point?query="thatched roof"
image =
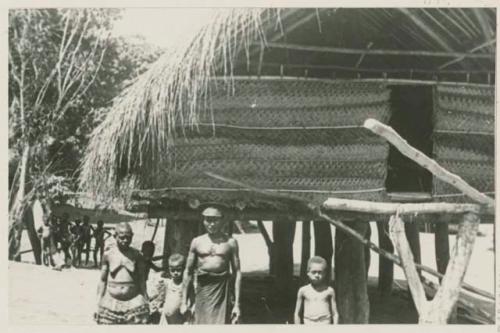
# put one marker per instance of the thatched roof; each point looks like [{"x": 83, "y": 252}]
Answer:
[{"x": 132, "y": 143}]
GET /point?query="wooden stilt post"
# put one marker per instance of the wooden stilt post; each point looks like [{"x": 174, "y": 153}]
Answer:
[
  {"x": 283, "y": 235},
  {"x": 368, "y": 236},
  {"x": 442, "y": 245},
  {"x": 178, "y": 236},
  {"x": 413, "y": 235},
  {"x": 323, "y": 243},
  {"x": 269, "y": 244},
  {"x": 350, "y": 276},
  {"x": 440, "y": 308},
  {"x": 385, "y": 266},
  {"x": 306, "y": 249}
]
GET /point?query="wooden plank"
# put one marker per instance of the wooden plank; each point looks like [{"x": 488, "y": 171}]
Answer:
[{"x": 423, "y": 160}]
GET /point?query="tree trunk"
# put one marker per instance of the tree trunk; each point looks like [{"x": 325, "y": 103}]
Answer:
[
  {"x": 306, "y": 249},
  {"x": 33, "y": 236},
  {"x": 350, "y": 276},
  {"x": 17, "y": 211},
  {"x": 385, "y": 266},
  {"x": 323, "y": 244}
]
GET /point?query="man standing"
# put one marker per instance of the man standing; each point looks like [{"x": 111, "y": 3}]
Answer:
[
  {"x": 216, "y": 257},
  {"x": 121, "y": 294}
]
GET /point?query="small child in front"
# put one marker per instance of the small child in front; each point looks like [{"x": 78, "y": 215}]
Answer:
[
  {"x": 170, "y": 297},
  {"x": 317, "y": 299}
]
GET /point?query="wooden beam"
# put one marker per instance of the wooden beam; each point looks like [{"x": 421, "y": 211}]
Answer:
[
  {"x": 390, "y": 208},
  {"x": 477, "y": 48},
  {"x": 420, "y": 53},
  {"x": 423, "y": 160},
  {"x": 374, "y": 70}
]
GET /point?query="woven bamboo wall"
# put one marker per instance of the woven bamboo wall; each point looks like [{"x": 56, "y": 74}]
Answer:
[
  {"x": 294, "y": 137},
  {"x": 464, "y": 142}
]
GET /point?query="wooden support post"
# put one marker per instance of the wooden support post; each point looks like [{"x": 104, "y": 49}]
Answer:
[
  {"x": 269, "y": 245},
  {"x": 440, "y": 308},
  {"x": 283, "y": 235},
  {"x": 306, "y": 249},
  {"x": 423, "y": 160},
  {"x": 385, "y": 266},
  {"x": 368, "y": 237},
  {"x": 413, "y": 235},
  {"x": 350, "y": 276},
  {"x": 178, "y": 236},
  {"x": 442, "y": 246},
  {"x": 323, "y": 244}
]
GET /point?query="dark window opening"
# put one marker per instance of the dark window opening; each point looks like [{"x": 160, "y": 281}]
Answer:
[{"x": 412, "y": 118}]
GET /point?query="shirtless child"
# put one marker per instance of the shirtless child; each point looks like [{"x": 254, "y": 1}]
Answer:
[
  {"x": 121, "y": 294},
  {"x": 317, "y": 299},
  {"x": 170, "y": 292},
  {"x": 216, "y": 256}
]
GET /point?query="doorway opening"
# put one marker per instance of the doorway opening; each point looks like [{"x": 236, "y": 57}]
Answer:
[{"x": 412, "y": 108}]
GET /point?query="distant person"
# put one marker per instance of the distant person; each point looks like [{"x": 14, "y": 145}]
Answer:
[
  {"x": 100, "y": 235},
  {"x": 75, "y": 230},
  {"x": 46, "y": 235},
  {"x": 64, "y": 237},
  {"x": 148, "y": 251},
  {"x": 86, "y": 239},
  {"x": 316, "y": 300},
  {"x": 215, "y": 256},
  {"x": 121, "y": 293}
]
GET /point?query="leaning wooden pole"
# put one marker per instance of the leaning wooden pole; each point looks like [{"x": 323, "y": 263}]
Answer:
[
  {"x": 440, "y": 308},
  {"x": 423, "y": 160}
]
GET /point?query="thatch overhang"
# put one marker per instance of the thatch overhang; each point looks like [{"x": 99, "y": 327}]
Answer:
[{"x": 172, "y": 104}]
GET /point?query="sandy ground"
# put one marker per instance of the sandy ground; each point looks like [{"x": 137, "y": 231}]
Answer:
[{"x": 40, "y": 295}]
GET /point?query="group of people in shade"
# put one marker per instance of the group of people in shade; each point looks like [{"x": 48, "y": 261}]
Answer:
[
  {"x": 63, "y": 241},
  {"x": 203, "y": 288}
]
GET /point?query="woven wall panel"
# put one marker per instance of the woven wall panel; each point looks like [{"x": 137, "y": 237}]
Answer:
[
  {"x": 263, "y": 142},
  {"x": 464, "y": 138}
]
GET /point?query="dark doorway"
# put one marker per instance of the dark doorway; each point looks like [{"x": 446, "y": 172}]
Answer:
[{"x": 412, "y": 118}]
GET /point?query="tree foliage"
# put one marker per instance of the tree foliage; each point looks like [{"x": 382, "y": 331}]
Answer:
[{"x": 65, "y": 68}]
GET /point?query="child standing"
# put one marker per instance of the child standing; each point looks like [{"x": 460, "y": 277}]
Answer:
[
  {"x": 317, "y": 299},
  {"x": 170, "y": 297}
]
